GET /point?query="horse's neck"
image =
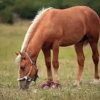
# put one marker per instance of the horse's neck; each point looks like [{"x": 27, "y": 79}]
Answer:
[{"x": 35, "y": 45}]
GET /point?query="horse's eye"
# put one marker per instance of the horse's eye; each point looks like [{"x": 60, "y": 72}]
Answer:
[{"x": 23, "y": 68}]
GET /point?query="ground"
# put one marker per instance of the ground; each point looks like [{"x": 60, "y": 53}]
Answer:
[{"x": 11, "y": 38}]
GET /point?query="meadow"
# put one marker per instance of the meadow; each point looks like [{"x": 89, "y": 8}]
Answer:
[{"x": 11, "y": 38}]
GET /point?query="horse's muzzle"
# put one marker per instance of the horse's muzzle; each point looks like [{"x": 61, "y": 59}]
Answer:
[{"x": 24, "y": 84}]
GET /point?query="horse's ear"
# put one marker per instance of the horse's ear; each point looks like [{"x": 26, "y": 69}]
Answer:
[
  {"x": 21, "y": 53},
  {"x": 17, "y": 53}
]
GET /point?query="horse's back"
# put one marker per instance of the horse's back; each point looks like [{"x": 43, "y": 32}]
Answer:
[
  {"x": 85, "y": 22},
  {"x": 70, "y": 25},
  {"x": 89, "y": 16}
]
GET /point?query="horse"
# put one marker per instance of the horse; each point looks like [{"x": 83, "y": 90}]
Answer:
[{"x": 52, "y": 28}]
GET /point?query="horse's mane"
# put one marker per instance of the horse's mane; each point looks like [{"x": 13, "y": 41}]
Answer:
[{"x": 30, "y": 31}]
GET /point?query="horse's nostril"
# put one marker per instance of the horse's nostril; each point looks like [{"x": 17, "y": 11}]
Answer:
[{"x": 24, "y": 84}]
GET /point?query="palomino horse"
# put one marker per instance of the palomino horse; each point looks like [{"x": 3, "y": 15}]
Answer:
[{"x": 52, "y": 28}]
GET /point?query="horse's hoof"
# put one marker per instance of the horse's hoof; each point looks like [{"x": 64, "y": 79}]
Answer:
[
  {"x": 77, "y": 83},
  {"x": 48, "y": 84},
  {"x": 45, "y": 85},
  {"x": 95, "y": 81},
  {"x": 55, "y": 85}
]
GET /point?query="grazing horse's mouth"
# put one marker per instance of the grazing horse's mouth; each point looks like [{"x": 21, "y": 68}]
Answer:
[
  {"x": 25, "y": 81},
  {"x": 24, "y": 84}
]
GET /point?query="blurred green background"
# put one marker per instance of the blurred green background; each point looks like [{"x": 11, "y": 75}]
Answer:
[{"x": 13, "y": 10}]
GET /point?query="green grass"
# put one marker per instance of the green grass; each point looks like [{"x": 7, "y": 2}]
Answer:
[{"x": 11, "y": 38}]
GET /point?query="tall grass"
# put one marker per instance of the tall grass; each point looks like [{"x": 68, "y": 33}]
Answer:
[{"x": 11, "y": 37}]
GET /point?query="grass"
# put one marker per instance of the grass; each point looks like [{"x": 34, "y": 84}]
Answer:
[{"x": 11, "y": 37}]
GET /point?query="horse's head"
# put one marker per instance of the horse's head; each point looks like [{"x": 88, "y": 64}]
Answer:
[{"x": 27, "y": 70}]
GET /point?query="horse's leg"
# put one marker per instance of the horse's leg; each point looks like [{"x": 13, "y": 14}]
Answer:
[
  {"x": 55, "y": 61},
  {"x": 47, "y": 55},
  {"x": 95, "y": 56},
  {"x": 80, "y": 60}
]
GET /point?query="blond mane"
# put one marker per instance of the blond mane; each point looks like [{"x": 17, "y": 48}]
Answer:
[{"x": 30, "y": 31}]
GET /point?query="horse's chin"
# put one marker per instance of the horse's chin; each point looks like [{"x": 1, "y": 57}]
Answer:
[{"x": 24, "y": 84}]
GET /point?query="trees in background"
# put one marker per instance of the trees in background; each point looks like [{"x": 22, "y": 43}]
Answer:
[{"x": 27, "y": 9}]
